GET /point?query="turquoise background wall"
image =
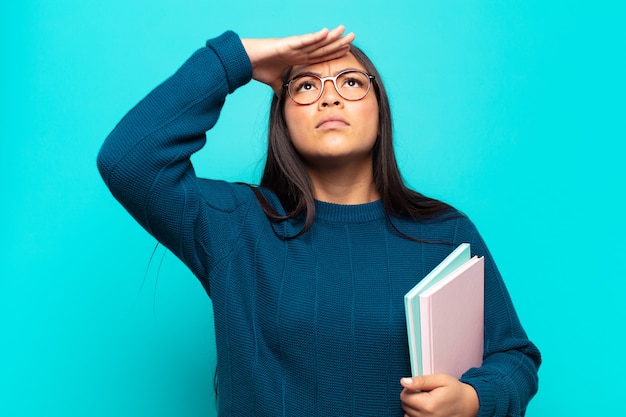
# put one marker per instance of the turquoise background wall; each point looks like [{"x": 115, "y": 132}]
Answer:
[{"x": 511, "y": 110}]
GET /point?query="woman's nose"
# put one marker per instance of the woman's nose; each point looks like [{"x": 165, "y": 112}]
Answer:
[{"x": 330, "y": 95}]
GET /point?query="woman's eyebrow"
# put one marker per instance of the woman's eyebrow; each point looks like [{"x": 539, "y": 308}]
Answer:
[
  {"x": 319, "y": 74},
  {"x": 298, "y": 74}
]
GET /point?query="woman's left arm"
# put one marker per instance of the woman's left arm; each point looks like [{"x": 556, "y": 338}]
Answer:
[{"x": 507, "y": 379}]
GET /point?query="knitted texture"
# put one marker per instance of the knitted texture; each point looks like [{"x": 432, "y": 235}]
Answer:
[{"x": 310, "y": 326}]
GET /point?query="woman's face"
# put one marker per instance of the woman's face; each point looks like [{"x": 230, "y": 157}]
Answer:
[{"x": 333, "y": 131}]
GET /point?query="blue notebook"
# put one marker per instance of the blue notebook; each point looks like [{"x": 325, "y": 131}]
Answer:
[{"x": 452, "y": 262}]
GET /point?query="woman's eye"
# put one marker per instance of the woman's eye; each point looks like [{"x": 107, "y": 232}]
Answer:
[
  {"x": 352, "y": 82},
  {"x": 305, "y": 86}
]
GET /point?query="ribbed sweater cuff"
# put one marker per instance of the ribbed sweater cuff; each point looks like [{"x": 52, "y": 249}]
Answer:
[{"x": 234, "y": 58}]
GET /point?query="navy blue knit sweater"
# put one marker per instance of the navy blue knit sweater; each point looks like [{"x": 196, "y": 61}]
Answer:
[{"x": 312, "y": 326}]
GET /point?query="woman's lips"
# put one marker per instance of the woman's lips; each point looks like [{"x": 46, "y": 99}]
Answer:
[{"x": 331, "y": 122}]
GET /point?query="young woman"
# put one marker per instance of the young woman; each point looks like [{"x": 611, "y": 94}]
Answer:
[{"x": 307, "y": 271}]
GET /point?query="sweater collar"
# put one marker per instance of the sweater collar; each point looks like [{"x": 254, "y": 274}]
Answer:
[{"x": 353, "y": 213}]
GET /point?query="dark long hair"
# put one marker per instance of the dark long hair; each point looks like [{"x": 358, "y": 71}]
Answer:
[{"x": 285, "y": 174}]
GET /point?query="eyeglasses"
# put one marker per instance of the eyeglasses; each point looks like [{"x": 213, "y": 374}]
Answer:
[{"x": 351, "y": 84}]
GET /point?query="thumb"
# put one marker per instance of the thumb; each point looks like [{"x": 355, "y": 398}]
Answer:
[{"x": 424, "y": 383}]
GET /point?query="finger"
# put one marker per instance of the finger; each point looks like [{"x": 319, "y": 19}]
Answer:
[
  {"x": 426, "y": 382},
  {"x": 339, "y": 46},
  {"x": 335, "y": 50},
  {"x": 330, "y": 37},
  {"x": 407, "y": 382},
  {"x": 410, "y": 402},
  {"x": 318, "y": 40},
  {"x": 301, "y": 42},
  {"x": 327, "y": 55},
  {"x": 330, "y": 43},
  {"x": 318, "y": 47}
]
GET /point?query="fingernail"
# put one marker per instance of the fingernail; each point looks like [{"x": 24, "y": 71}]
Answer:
[{"x": 407, "y": 381}]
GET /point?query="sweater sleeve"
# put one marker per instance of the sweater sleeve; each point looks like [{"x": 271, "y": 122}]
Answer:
[
  {"x": 507, "y": 379},
  {"x": 145, "y": 160}
]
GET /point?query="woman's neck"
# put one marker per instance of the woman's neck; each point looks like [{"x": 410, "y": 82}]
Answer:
[{"x": 344, "y": 185}]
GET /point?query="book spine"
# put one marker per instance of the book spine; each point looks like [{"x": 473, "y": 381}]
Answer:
[{"x": 426, "y": 333}]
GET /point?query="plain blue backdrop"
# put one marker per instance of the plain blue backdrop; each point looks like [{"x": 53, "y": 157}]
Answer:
[{"x": 511, "y": 110}]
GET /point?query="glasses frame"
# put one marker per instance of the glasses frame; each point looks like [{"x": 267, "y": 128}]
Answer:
[{"x": 370, "y": 79}]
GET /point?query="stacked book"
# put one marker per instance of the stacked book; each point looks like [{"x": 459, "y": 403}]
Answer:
[{"x": 445, "y": 316}]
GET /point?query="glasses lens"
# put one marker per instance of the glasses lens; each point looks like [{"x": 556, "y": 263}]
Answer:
[
  {"x": 305, "y": 89},
  {"x": 353, "y": 85}
]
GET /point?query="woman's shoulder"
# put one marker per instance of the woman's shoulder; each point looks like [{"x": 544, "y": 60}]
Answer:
[{"x": 452, "y": 226}]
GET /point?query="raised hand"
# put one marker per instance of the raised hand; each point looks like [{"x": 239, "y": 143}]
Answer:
[{"x": 271, "y": 57}]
